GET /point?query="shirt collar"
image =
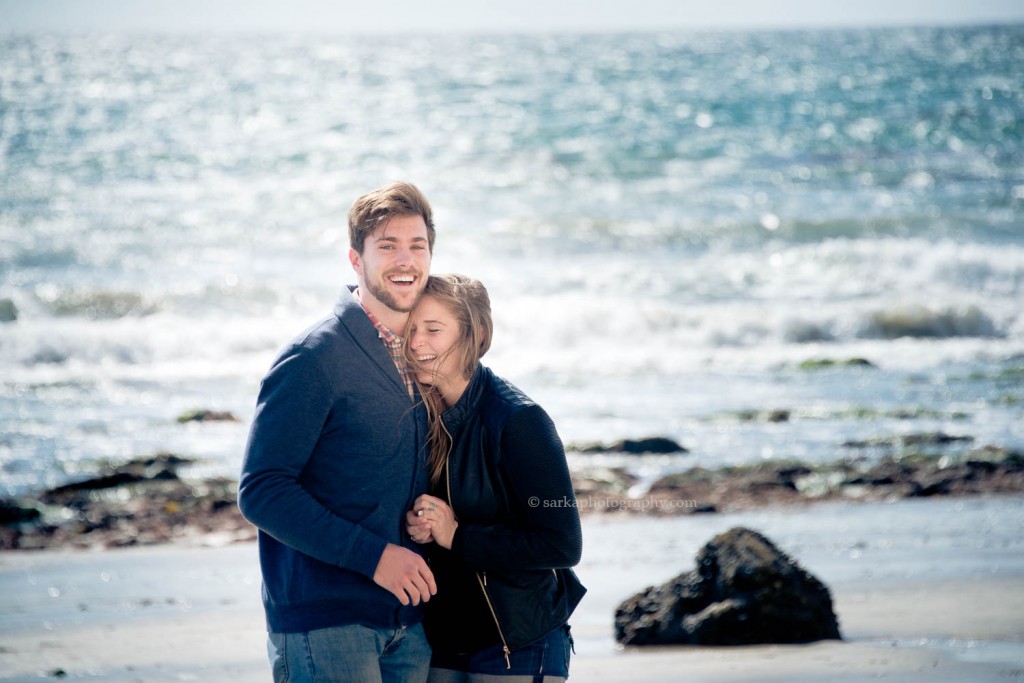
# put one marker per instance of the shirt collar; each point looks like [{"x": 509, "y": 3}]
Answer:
[{"x": 384, "y": 332}]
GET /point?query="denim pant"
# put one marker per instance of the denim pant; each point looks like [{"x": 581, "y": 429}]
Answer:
[
  {"x": 545, "y": 660},
  {"x": 350, "y": 653}
]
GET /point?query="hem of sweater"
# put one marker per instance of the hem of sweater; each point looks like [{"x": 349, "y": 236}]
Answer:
[{"x": 306, "y": 617}]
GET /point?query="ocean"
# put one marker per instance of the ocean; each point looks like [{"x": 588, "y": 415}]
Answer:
[{"x": 763, "y": 245}]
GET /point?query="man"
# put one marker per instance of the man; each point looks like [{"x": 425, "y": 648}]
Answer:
[{"x": 335, "y": 459}]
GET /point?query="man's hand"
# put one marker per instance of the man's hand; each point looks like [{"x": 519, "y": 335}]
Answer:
[{"x": 405, "y": 574}]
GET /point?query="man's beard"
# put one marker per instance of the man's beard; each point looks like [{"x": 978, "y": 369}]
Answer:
[{"x": 384, "y": 296}]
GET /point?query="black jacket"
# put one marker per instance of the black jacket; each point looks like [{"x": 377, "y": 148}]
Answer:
[{"x": 506, "y": 579}]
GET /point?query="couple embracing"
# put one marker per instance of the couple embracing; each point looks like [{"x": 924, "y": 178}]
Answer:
[{"x": 396, "y": 482}]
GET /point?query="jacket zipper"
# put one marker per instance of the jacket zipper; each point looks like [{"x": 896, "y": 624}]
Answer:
[{"x": 481, "y": 577}]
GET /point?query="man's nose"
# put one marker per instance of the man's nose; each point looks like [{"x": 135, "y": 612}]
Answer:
[{"x": 404, "y": 257}]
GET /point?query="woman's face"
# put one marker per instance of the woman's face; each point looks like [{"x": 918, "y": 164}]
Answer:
[{"x": 433, "y": 333}]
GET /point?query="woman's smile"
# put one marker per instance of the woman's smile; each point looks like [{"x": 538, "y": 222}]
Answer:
[{"x": 434, "y": 334}]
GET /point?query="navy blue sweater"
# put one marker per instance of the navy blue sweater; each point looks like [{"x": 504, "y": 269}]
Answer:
[{"x": 334, "y": 459}]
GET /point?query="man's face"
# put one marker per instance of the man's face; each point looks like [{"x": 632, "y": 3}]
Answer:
[{"x": 395, "y": 262}]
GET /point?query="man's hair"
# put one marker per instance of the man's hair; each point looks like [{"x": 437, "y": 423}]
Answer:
[{"x": 374, "y": 209}]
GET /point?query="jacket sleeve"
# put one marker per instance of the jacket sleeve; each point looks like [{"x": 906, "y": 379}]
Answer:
[
  {"x": 293, "y": 405},
  {"x": 540, "y": 488}
]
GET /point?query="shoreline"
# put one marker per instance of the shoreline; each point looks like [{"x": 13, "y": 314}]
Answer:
[
  {"x": 944, "y": 608},
  {"x": 149, "y": 501}
]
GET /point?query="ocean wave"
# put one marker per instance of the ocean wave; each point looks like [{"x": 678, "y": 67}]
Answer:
[
  {"x": 60, "y": 349},
  {"x": 163, "y": 345},
  {"x": 836, "y": 324},
  {"x": 95, "y": 305},
  {"x": 885, "y": 323},
  {"x": 921, "y": 321}
]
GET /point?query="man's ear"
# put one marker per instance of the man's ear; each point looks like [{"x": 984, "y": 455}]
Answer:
[{"x": 355, "y": 260}]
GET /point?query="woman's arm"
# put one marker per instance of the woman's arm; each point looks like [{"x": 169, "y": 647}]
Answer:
[{"x": 540, "y": 489}]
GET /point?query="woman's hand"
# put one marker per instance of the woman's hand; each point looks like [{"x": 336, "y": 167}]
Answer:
[
  {"x": 431, "y": 519},
  {"x": 418, "y": 527}
]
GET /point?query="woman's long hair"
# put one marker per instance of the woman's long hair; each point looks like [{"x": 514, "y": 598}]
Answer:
[{"x": 468, "y": 302}]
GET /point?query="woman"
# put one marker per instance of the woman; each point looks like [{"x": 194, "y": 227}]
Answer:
[{"x": 501, "y": 513}]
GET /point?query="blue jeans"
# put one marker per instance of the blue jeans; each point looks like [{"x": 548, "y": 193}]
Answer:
[
  {"x": 544, "y": 660},
  {"x": 350, "y": 653}
]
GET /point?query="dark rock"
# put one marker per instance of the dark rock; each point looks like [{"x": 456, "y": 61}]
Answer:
[
  {"x": 139, "y": 502},
  {"x": 653, "y": 444},
  {"x": 603, "y": 480},
  {"x": 884, "y": 473},
  {"x": 8, "y": 311},
  {"x": 910, "y": 440},
  {"x": 18, "y": 512},
  {"x": 774, "y": 415},
  {"x": 148, "y": 511},
  {"x": 744, "y": 591},
  {"x": 782, "y": 475},
  {"x": 934, "y": 484},
  {"x": 159, "y": 467},
  {"x": 67, "y": 491},
  {"x": 204, "y": 415},
  {"x": 741, "y": 486},
  {"x": 932, "y": 439},
  {"x": 820, "y": 363}
]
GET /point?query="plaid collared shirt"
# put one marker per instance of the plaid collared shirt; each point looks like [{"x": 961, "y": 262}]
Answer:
[{"x": 393, "y": 343}]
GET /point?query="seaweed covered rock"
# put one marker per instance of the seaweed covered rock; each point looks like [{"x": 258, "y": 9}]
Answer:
[
  {"x": 648, "y": 445},
  {"x": 744, "y": 591},
  {"x": 140, "y": 502},
  {"x": 207, "y": 415}
]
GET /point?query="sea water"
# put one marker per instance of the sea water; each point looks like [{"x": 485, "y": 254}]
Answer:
[{"x": 670, "y": 226}]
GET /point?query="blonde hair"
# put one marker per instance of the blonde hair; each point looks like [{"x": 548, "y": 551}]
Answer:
[{"x": 468, "y": 301}]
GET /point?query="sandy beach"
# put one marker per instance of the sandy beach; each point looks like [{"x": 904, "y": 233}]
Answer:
[{"x": 924, "y": 591}]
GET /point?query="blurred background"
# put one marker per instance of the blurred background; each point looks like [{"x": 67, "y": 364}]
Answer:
[{"x": 762, "y": 229}]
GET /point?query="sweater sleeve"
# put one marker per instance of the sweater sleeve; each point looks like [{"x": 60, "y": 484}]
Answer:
[
  {"x": 539, "y": 484},
  {"x": 292, "y": 407}
]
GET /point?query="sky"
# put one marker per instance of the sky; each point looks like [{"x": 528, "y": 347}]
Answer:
[{"x": 462, "y": 16}]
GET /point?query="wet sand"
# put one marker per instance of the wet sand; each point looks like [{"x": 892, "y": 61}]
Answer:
[{"x": 924, "y": 591}]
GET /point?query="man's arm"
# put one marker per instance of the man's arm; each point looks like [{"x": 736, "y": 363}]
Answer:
[
  {"x": 291, "y": 410},
  {"x": 293, "y": 405}
]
